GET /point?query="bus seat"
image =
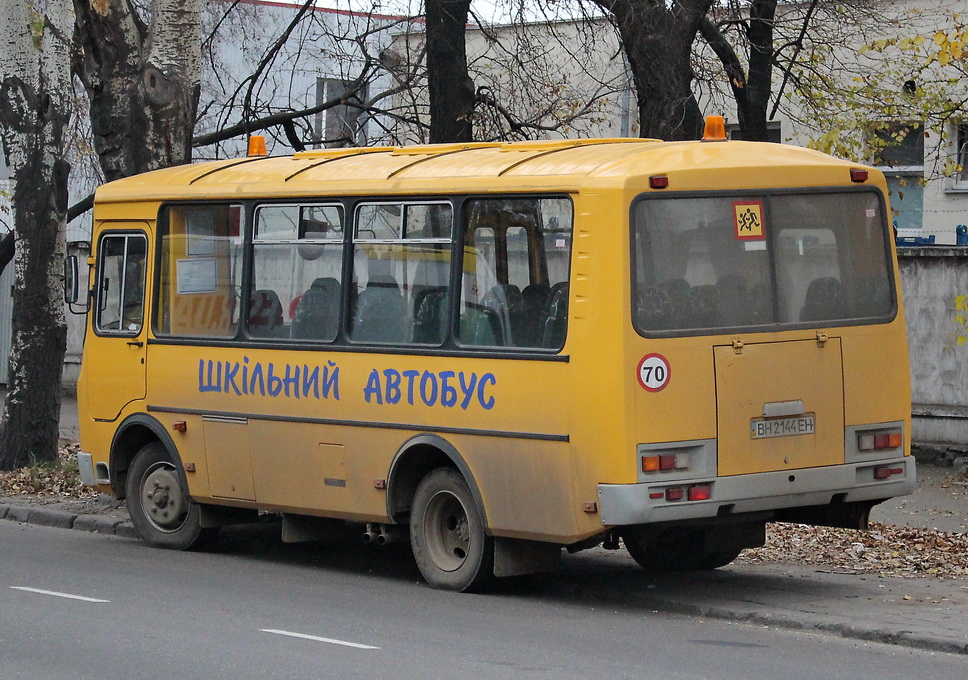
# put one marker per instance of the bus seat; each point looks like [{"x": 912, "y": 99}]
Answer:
[
  {"x": 534, "y": 300},
  {"x": 515, "y": 302},
  {"x": 824, "y": 300},
  {"x": 732, "y": 301},
  {"x": 678, "y": 292},
  {"x": 430, "y": 316},
  {"x": 497, "y": 303},
  {"x": 871, "y": 295},
  {"x": 703, "y": 303},
  {"x": 265, "y": 315},
  {"x": 556, "y": 323},
  {"x": 379, "y": 312},
  {"x": 479, "y": 326},
  {"x": 761, "y": 303},
  {"x": 317, "y": 312},
  {"x": 654, "y": 310}
]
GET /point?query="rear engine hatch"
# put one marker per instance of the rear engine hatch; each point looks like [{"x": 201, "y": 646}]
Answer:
[{"x": 780, "y": 405}]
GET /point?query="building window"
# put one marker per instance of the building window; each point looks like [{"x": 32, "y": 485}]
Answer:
[
  {"x": 772, "y": 132},
  {"x": 960, "y": 174},
  {"x": 900, "y": 145},
  {"x": 899, "y": 152},
  {"x": 345, "y": 123}
]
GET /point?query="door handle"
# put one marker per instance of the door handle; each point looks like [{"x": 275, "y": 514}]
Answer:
[{"x": 135, "y": 343}]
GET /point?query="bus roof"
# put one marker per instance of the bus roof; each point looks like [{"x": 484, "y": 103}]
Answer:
[{"x": 561, "y": 165}]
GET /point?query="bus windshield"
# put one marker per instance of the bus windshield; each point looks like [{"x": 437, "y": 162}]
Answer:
[{"x": 735, "y": 261}]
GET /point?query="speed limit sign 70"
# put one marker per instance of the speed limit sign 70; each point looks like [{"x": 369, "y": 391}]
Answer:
[{"x": 653, "y": 372}]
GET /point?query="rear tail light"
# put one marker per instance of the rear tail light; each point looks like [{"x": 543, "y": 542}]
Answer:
[
  {"x": 665, "y": 461},
  {"x": 699, "y": 492},
  {"x": 693, "y": 492},
  {"x": 877, "y": 442},
  {"x": 674, "y": 493},
  {"x": 886, "y": 471}
]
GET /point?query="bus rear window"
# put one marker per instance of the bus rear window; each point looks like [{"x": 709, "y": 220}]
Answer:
[{"x": 712, "y": 263}]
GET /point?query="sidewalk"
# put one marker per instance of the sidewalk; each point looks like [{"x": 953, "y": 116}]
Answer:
[{"x": 925, "y": 613}]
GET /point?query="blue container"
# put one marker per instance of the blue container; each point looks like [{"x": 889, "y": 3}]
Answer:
[{"x": 961, "y": 237}]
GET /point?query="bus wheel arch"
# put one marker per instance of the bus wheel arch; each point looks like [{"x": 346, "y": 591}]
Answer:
[
  {"x": 418, "y": 457},
  {"x": 132, "y": 435}
]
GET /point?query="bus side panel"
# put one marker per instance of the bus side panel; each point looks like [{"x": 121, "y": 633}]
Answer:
[
  {"x": 877, "y": 383},
  {"x": 311, "y": 431}
]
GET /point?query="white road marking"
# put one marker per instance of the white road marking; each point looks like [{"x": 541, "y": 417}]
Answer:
[
  {"x": 56, "y": 594},
  {"x": 303, "y": 636}
]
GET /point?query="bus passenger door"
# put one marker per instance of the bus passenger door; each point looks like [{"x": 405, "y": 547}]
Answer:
[{"x": 117, "y": 356}]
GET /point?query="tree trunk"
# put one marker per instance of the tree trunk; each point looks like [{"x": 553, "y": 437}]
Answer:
[
  {"x": 657, "y": 37},
  {"x": 35, "y": 64},
  {"x": 142, "y": 81},
  {"x": 451, "y": 88}
]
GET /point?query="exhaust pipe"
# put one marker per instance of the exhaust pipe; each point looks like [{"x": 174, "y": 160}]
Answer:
[
  {"x": 388, "y": 534},
  {"x": 370, "y": 536}
]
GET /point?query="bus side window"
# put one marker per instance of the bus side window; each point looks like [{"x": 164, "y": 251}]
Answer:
[
  {"x": 121, "y": 283},
  {"x": 401, "y": 268},
  {"x": 516, "y": 267},
  {"x": 297, "y": 265}
]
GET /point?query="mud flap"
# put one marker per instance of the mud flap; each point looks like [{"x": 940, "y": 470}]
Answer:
[{"x": 514, "y": 557}]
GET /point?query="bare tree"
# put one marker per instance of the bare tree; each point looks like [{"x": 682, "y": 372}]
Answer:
[
  {"x": 34, "y": 59},
  {"x": 450, "y": 87},
  {"x": 142, "y": 77},
  {"x": 657, "y": 37}
]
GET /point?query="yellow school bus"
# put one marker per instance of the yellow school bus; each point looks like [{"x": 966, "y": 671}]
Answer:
[{"x": 499, "y": 350}]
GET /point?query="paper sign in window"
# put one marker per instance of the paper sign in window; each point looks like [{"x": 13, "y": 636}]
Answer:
[
  {"x": 748, "y": 220},
  {"x": 197, "y": 275}
]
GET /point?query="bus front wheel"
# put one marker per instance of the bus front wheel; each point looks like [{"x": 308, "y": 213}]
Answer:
[
  {"x": 447, "y": 536},
  {"x": 675, "y": 551},
  {"x": 159, "y": 505}
]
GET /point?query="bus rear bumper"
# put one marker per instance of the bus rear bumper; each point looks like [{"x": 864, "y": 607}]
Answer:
[{"x": 621, "y": 504}]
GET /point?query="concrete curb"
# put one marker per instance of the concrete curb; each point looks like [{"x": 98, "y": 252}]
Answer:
[
  {"x": 829, "y": 624},
  {"x": 98, "y": 524},
  {"x": 742, "y": 612}
]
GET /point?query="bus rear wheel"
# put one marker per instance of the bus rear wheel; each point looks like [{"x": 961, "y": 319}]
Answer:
[
  {"x": 450, "y": 546},
  {"x": 160, "y": 507},
  {"x": 675, "y": 551}
]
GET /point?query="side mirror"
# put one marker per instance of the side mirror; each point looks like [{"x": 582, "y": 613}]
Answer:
[{"x": 70, "y": 279}]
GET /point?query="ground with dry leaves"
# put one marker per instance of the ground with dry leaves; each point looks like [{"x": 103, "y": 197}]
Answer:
[{"x": 884, "y": 549}]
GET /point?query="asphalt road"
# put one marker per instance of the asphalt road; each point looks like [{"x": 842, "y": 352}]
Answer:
[{"x": 78, "y": 605}]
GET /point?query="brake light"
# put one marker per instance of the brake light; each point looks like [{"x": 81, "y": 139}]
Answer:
[
  {"x": 858, "y": 175},
  {"x": 674, "y": 493},
  {"x": 658, "y": 181},
  {"x": 699, "y": 492}
]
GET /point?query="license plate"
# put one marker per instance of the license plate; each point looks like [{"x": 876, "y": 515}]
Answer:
[{"x": 762, "y": 428}]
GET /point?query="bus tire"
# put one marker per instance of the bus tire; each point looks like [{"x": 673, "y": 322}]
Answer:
[
  {"x": 160, "y": 507},
  {"x": 447, "y": 536},
  {"x": 675, "y": 552}
]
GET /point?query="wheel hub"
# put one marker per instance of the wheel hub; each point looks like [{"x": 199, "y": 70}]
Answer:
[{"x": 164, "y": 503}]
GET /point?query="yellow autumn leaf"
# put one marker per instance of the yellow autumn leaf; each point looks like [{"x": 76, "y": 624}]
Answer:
[
  {"x": 940, "y": 38},
  {"x": 944, "y": 57},
  {"x": 919, "y": 41}
]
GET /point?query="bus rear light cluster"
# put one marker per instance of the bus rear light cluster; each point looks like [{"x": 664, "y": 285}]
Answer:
[
  {"x": 693, "y": 492},
  {"x": 886, "y": 471},
  {"x": 665, "y": 462},
  {"x": 876, "y": 442}
]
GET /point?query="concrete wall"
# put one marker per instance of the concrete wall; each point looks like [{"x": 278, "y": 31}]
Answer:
[{"x": 931, "y": 278}]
